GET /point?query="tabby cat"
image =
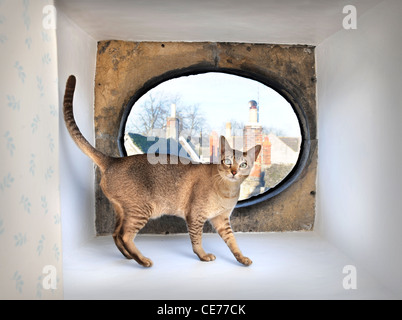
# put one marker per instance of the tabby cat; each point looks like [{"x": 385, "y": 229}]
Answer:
[{"x": 140, "y": 191}]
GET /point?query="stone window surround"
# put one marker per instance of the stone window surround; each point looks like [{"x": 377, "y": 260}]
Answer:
[{"x": 127, "y": 70}]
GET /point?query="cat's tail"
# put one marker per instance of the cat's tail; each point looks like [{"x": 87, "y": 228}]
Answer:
[{"x": 98, "y": 157}]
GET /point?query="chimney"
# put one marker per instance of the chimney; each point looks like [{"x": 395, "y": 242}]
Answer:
[
  {"x": 214, "y": 156},
  {"x": 173, "y": 111},
  {"x": 266, "y": 151},
  {"x": 172, "y": 125},
  {"x": 253, "y": 112},
  {"x": 228, "y": 133},
  {"x": 252, "y": 135}
]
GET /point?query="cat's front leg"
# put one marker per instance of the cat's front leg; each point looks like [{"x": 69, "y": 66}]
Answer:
[
  {"x": 195, "y": 226},
  {"x": 221, "y": 224}
]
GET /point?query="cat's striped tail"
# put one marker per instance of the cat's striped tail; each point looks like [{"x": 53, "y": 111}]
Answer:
[{"x": 98, "y": 157}]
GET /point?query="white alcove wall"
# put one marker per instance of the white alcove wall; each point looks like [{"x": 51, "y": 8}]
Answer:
[
  {"x": 76, "y": 55},
  {"x": 359, "y": 189}
]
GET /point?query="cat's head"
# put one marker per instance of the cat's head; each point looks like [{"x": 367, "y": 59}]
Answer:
[{"x": 236, "y": 165}]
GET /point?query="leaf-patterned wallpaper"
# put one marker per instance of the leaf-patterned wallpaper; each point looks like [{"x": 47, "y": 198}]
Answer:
[{"x": 30, "y": 230}]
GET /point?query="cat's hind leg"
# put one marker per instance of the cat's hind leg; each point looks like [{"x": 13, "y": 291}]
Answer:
[
  {"x": 117, "y": 236},
  {"x": 132, "y": 223},
  {"x": 195, "y": 226}
]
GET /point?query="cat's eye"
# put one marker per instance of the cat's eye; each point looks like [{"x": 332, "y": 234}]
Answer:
[
  {"x": 243, "y": 165},
  {"x": 227, "y": 162}
]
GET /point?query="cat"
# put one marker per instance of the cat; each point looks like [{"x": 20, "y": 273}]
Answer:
[{"x": 139, "y": 190}]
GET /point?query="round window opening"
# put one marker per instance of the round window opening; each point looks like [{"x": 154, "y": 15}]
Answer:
[{"x": 186, "y": 116}]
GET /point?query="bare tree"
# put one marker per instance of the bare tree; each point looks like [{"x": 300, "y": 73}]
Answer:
[
  {"x": 279, "y": 132},
  {"x": 150, "y": 115},
  {"x": 153, "y": 113},
  {"x": 192, "y": 119}
]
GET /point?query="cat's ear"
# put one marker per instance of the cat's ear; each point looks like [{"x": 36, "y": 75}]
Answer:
[
  {"x": 254, "y": 152},
  {"x": 224, "y": 145}
]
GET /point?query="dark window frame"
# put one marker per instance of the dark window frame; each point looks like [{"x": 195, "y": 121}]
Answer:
[{"x": 288, "y": 93}]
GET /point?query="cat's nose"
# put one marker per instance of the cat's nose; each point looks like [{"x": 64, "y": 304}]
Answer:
[{"x": 234, "y": 172}]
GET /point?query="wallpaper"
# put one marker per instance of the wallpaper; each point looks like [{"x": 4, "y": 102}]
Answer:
[{"x": 30, "y": 230}]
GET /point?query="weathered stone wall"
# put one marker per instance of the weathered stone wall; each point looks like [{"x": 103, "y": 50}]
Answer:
[{"x": 126, "y": 70}]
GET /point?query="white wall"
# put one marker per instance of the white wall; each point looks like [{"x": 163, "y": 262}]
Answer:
[
  {"x": 76, "y": 55},
  {"x": 359, "y": 205},
  {"x": 30, "y": 232}
]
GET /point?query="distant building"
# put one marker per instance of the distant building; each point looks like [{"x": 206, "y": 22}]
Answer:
[
  {"x": 285, "y": 150},
  {"x": 275, "y": 150},
  {"x": 135, "y": 143}
]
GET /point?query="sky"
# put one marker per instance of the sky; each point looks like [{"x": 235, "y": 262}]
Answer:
[{"x": 224, "y": 97}]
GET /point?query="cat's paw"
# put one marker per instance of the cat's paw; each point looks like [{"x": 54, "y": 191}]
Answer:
[
  {"x": 244, "y": 260},
  {"x": 208, "y": 257},
  {"x": 145, "y": 262}
]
